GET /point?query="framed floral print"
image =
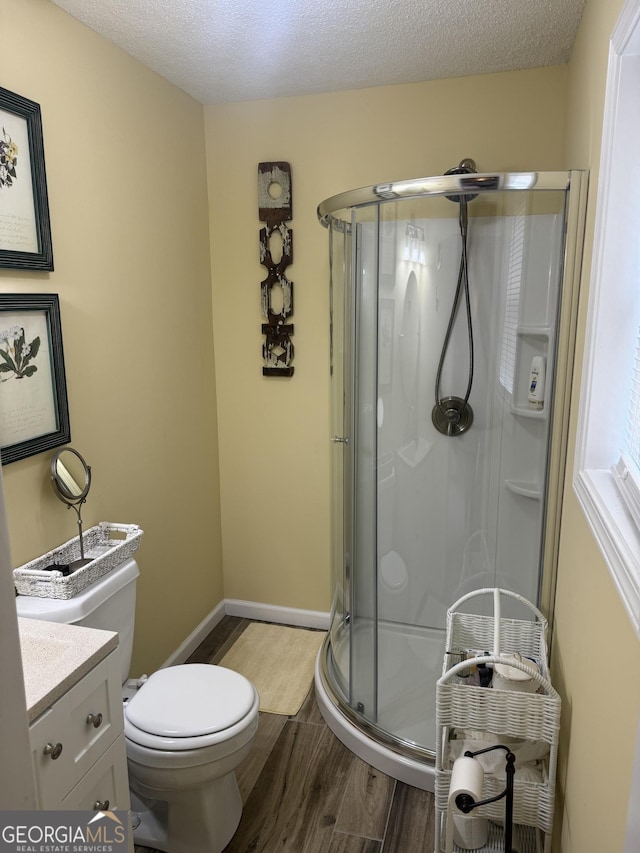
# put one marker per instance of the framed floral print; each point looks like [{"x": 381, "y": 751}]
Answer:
[
  {"x": 34, "y": 413},
  {"x": 25, "y": 229}
]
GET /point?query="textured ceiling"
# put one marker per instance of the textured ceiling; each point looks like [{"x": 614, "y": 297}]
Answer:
[{"x": 230, "y": 50}]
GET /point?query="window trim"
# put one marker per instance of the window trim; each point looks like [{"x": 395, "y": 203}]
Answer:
[{"x": 594, "y": 483}]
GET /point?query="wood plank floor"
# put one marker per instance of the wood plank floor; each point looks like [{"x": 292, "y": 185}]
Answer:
[{"x": 304, "y": 792}]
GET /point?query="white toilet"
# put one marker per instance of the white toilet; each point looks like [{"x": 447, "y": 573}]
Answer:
[{"x": 187, "y": 727}]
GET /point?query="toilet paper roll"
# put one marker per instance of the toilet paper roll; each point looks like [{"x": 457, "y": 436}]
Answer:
[
  {"x": 467, "y": 777},
  {"x": 470, "y": 833}
]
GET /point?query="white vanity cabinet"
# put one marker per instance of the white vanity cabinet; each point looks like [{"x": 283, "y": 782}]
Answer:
[{"x": 77, "y": 744}]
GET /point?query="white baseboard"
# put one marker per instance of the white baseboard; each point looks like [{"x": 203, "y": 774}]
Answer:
[
  {"x": 273, "y": 613},
  {"x": 247, "y": 610},
  {"x": 196, "y": 636}
]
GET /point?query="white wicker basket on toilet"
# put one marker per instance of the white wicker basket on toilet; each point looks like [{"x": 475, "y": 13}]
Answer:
[
  {"x": 464, "y": 710},
  {"x": 107, "y": 545}
]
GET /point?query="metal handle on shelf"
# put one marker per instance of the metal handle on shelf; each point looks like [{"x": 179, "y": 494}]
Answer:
[
  {"x": 53, "y": 749},
  {"x": 94, "y": 720}
]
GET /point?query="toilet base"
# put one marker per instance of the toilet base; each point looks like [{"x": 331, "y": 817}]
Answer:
[
  {"x": 149, "y": 821},
  {"x": 192, "y": 821}
]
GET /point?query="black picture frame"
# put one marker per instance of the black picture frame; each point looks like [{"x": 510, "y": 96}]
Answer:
[
  {"x": 25, "y": 227},
  {"x": 34, "y": 410}
]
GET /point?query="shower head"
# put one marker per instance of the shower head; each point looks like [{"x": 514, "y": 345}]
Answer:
[{"x": 465, "y": 167}]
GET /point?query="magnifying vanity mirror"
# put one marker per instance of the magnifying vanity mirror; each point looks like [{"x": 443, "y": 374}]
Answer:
[{"x": 71, "y": 480}]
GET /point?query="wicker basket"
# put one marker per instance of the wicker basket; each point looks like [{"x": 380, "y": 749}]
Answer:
[
  {"x": 498, "y": 713},
  {"x": 107, "y": 545}
]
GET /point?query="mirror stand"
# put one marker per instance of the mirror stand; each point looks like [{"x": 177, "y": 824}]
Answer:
[
  {"x": 78, "y": 564},
  {"x": 71, "y": 479}
]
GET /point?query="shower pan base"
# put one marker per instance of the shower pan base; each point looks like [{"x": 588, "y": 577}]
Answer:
[{"x": 419, "y": 774}]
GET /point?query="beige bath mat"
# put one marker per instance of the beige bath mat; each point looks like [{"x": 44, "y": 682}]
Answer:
[{"x": 279, "y": 661}]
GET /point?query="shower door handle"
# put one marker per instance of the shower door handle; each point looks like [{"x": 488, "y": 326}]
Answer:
[{"x": 339, "y": 439}]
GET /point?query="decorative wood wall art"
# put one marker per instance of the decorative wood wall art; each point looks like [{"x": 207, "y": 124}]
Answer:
[{"x": 276, "y": 254}]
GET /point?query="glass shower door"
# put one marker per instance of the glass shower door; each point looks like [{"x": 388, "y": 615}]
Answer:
[
  {"x": 354, "y": 437},
  {"x": 364, "y": 599},
  {"x": 340, "y": 388}
]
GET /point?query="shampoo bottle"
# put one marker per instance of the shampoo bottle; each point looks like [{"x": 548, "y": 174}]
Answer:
[{"x": 536, "y": 383}]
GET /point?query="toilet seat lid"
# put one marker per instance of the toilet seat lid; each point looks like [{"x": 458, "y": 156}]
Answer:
[{"x": 190, "y": 700}]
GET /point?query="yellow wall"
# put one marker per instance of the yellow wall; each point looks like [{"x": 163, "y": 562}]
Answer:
[
  {"x": 596, "y": 653},
  {"x": 127, "y": 187},
  {"x": 274, "y": 449}
]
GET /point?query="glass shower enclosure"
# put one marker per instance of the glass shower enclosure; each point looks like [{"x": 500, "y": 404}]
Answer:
[{"x": 452, "y": 322}]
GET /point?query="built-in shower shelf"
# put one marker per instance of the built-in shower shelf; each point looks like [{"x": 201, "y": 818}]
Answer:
[
  {"x": 524, "y": 488},
  {"x": 534, "y": 414},
  {"x": 534, "y": 331}
]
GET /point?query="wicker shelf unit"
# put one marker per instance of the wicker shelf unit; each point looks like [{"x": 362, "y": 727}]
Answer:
[{"x": 466, "y": 710}]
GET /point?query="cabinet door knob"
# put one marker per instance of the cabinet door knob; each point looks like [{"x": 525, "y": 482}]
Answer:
[
  {"x": 53, "y": 749},
  {"x": 101, "y": 805},
  {"x": 94, "y": 720}
]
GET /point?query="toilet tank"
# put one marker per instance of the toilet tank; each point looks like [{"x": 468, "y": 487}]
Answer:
[{"x": 109, "y": 604}]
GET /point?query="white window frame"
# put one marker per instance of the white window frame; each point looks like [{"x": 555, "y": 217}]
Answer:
[{"x": 612, "y": 328}]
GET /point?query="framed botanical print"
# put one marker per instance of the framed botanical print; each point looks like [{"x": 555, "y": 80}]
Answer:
[
  {"x": 34, "y": 413},
  {"x": 25, "y": 229}
]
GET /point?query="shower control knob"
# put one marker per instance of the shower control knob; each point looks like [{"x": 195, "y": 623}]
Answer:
[
  {"x": 54, "y": 750},
  {"x": 101, "y": 805},
  {"x": 94, "y": 720}
]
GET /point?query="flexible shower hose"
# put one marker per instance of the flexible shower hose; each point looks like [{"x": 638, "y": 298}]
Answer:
[{"x": 462, "y": 286}]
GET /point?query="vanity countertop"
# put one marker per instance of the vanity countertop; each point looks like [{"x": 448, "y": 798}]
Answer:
[{"x": 55, "y": 656}]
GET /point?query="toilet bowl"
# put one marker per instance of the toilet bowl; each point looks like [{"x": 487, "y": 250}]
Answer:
[
  {"x": 187, "y": 727},
  {"x": 186, "y": 730}
]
